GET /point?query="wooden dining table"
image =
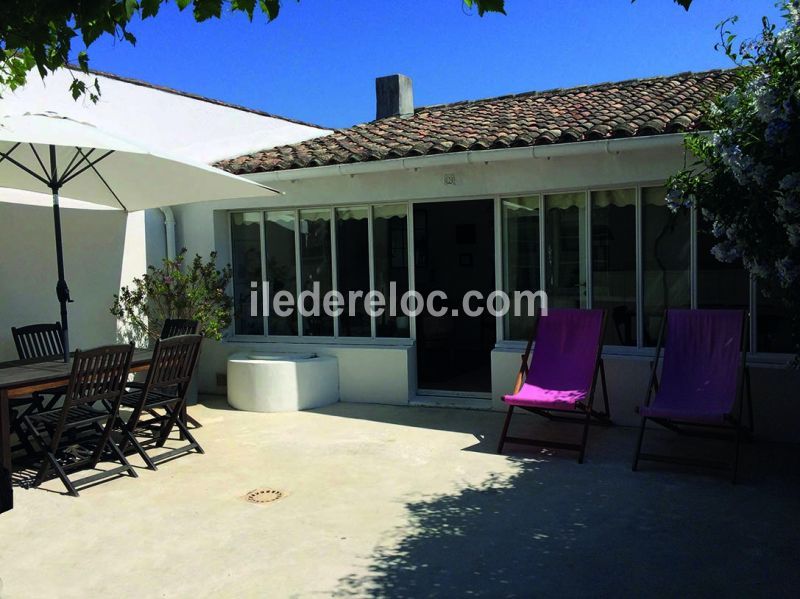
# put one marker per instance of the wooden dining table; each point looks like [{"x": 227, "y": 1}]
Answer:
[{"x": 21, "y": 379}]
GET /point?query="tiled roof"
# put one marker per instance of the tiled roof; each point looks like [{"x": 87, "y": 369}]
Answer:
[{"x": 632, "y": 108}]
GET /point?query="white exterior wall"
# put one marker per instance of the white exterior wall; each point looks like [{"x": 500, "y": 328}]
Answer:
[
  {"x": 388, "y": 373},
  {"x": 95, "y": 244},
  {"x": 106, "y": 249}
]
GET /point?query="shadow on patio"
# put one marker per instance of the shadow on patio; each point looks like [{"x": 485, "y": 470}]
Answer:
[{"x": 557, "y": 528}]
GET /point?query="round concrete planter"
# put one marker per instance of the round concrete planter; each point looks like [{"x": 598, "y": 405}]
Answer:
[{"x": 282, "y": 382}]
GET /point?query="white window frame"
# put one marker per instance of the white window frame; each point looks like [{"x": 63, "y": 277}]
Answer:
[
  {"x": 336, "y": 339},
  {"x": 639, "y": 351}
]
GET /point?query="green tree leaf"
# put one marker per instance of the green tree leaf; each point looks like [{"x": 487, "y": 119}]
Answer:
[
  {"x": 271, "y": 8},
  {"x": 246, "y": 6},
  {"x": 485, "y": 6},
  {"x": 207, "y": 9},
  {"x": 684, "y": 3},
  {"x": 150, "y": 8}
]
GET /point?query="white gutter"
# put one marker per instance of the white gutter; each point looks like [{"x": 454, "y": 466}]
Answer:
[
  {"x": 583, "y": 148},
  {"x": 169, "y": 230}
]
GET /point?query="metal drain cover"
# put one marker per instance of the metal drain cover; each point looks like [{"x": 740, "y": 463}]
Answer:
[{"x": 263, "y": 496}]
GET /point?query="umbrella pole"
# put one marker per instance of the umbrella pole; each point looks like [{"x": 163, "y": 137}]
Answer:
[{"x": 62, "y": 291}]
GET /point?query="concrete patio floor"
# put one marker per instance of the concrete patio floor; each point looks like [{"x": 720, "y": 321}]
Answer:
[{"x": 408, "y": 502}]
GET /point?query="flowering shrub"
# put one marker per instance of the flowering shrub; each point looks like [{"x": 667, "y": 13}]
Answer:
[
  {"x": 172, "y": 291},
  {"x": 746, "y": 182}
]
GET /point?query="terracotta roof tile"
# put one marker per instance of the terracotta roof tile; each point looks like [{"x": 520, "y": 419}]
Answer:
[{"x": 633, "y": 108}]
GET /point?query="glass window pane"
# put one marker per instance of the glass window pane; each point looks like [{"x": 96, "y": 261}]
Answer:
[
  {"x": 665, "y": 252},
  {"x": 246, "y": 260},
  {"x": 279, "y": 228},
  {"x": 520, "y": 258},
  {"x": 719, "y": 284},
  {"x": 614, "y": 262},
  {"x": 774, "y": 330},
  {"x": 315, "y": 267},
  {"x": 352, "y": 247},
  {"x": 390, "y": 245},
  {"x": 565, "y": 249}
]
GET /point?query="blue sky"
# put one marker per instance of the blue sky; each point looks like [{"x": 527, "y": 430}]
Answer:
[{"x": 319, "y": 59}]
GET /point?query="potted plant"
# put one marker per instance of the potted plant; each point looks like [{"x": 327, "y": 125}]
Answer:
[{"x": 196, "y": 291}]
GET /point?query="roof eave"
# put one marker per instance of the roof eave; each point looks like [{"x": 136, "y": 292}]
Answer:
[{"x": 604, "y": 146}]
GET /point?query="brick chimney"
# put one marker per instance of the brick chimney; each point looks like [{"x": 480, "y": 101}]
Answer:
[{"x": 395, "y": 96}]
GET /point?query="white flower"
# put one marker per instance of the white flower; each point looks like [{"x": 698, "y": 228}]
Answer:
[
  {"x": 789, "y": 194},
  {"x": 782, "y": 39},
  {"x": 787, "y": 271},
  {"x": 760, "y": 173},
  {"x": 777, "y": 131},
  {"x": 790, "y": 182},
  {"x": 793, "y": 233},
  {"x": 789, "y": 203},
  {"x": 726, "y": 251},
  {"x": 793, "y": 11},
  {"x": 765, "y": 99},
  {"x": 731, "y": 100},
  {"x": 756, "y": 268},
  {"x": 675, "y": 199},
  {"x": 739, "y": 164}
]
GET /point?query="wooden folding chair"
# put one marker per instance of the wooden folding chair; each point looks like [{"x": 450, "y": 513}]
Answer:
[
  {"x": 78, "y": 435},
  {"x": 162, "y": 396},
  {"x": 36, "y": 342},
  {"x": 182, "y": 326},
  {"x": 560, "y": 382},
  {"x": 179, "y": 326},
  {"x": 39, "y": 341},
  {"x": 6, "y": 492}
]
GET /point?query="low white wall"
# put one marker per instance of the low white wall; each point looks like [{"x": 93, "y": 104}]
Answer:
[
  {"x": 775, "y": 406},
  {"x": 368, "y": 374}
]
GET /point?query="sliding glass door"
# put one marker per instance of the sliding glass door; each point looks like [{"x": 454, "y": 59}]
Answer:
[{"x": 565, "y": 249}]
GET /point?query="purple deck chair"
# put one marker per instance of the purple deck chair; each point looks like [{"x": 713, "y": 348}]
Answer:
[
  {"x": 702, "y": 380},
  {"x": 561, "y": 379}
]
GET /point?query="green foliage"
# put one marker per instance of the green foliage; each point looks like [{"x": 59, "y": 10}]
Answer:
[
  {"x": 684, "y": 3},
  {"x": 746, "y": 181},
  {"x": 173, "y": 291},
  {"x": 485, "y": 6},
  {"x": 39, "y": 34}
]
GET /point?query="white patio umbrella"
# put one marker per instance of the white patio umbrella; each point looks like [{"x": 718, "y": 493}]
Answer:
[{"x": 48, "y": 153}]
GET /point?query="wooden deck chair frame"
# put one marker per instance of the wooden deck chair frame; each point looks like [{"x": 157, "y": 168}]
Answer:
[
  {"x": 39, "y": 341},
  {"x": 695, "y": 429},
  {"x": 91, "y": 404},
  {"x": 182, "y": 326},
  {"x": 36, "y": 342},
  {"x": 585, "y": 414},
  {"x": 171, "y": 371},
  {"x": 174, "y": 327}
]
